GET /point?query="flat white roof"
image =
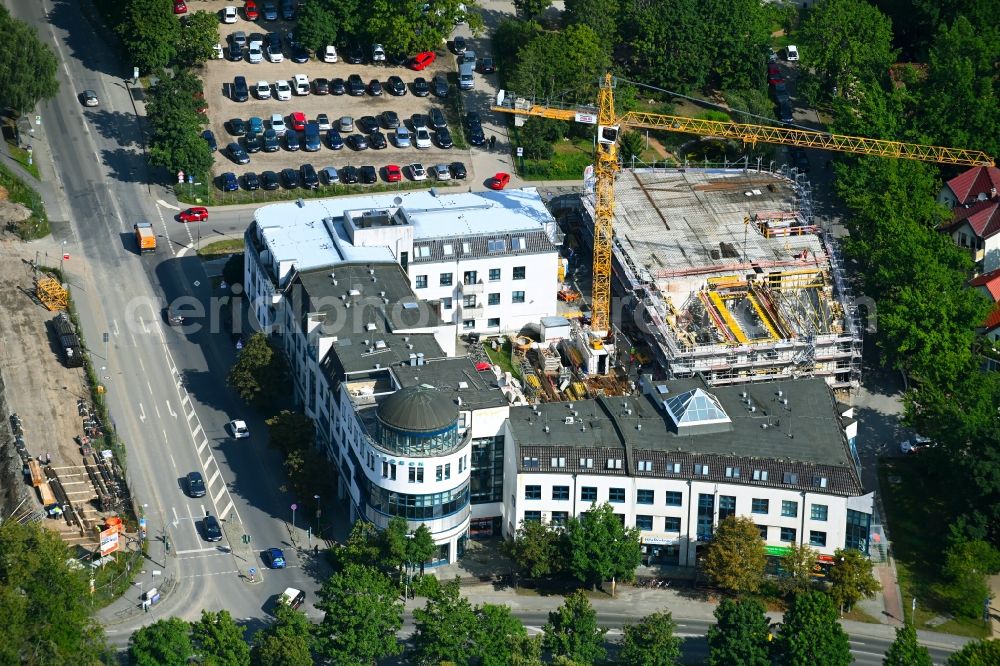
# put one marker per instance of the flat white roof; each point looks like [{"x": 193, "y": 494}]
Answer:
[{"x": 295, "y": 232}]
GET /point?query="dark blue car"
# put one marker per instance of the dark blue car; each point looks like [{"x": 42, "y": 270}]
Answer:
[
  {"x": 270, "y": 11},
  {"x": 210, "y": 140},
  {"x": 229, "y": 182}
]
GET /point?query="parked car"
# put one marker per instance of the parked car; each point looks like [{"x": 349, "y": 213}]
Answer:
[
  {"x": 417, "y": 171},
  {"x": 378, "y": 53},
  {"x": 234, "y": 52},
  {"x": 239, "y": 38},
  {"x": 301, "y": 84},
  {"x": 422, "y": 138},
  {"x": 499, "y": 181},
  {"x": 237, "y": 126},
  {"x": 282, "y": 91},
  {"x": 251, "y": 182},
  {"x": 476, "y": 136},
  {"x": 211, "y": 528},
  {"x": 337, "y": 86},
  {"x": 333, "y": 140},
  {"x": 262, "y": 90},
  {"x": 348, "y": 175},
  {"x": 237, "y": 153},
  {"x": 323, "y": 121},
  {"x": 402, "y": 137},
  {"x": 422, "y": 60},
  {"x": 367, "y": 124},
  {"x": 329, "y": 53},
  {"x": 180, "y": 7},
  {"x": 418, "y": 121},
  {"x": 444, "y": 139},
  {"x": 269, "y": 180},
  {"x": 255, "y": 125},
  {"x": 209, "y": 138},
  {"x": 293, "y": 140},
  {"x": 297, "y": 121},
  {"x": 346, "y": 124},
  {"x": 310, "y": 180},
  {"x": 458, "y": 45},
  {"x": 355, "y": 86},
  {"x": 329, "y": 175},
  {"x": 253, "y": 142},
  {"x": 355, "y": 55},
  {"x": 250, "y": 10},
  {"x": 288, "y": 10},
  {"x": 420, "y": 87},
  {"x": 395, "y": 86},
  {"x": 375, "y": 87},
  {"x": 780, "y": 91},
  {"x": 785, "y": 111},
  {"x": 274, "y": 53},
  {"x": 271, "y": 142},
  {"x": 270, "y": 11},
  {"x": 368, "y": 174},
  {"x": 357, "y": 142},
  {"x": 228, "y": 182},
  {"x": 438, "y": 121},
  {"x": 321, "y": 86},
  {"x": 290, "y": 178},
  {"x": 195, "y": 485},
  {"x": 298, "y": 53},
  {"x": 791, "y": 53},
  {"x": 457, "y": 170},
  {"x": 440, "y": 85},
  {"x": 377, "y": 140},
  {"x": 486, "y": 65},
  {"x": 196, "y": 214},
  {"x": 311, "y": 141},
  {"x": 441, "y": 172},
  {"x": 229, "y": 14},
  {"x": 278, "y": 124},
  {"x": 393, "y": 173}
]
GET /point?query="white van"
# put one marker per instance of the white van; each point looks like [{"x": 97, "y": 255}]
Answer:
[
  {"x": 791, "y": 53},
  {"x": 292, "y": 597},
  {"x": 466, "y": 76},
  {"x": 301, "y": 84}
]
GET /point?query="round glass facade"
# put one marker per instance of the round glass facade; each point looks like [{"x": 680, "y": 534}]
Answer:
[
  {"x": 418, "y": 444},
  {"x": 418, "y": 507}
]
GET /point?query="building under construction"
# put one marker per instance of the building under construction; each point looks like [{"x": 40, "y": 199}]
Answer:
[{"x": 732, "y": 279}]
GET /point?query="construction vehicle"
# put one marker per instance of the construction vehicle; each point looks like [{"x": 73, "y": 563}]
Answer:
[
  {"x": 610, "y": 124},
  {"x": 52, "y": 507},
  {"x": 568, "y": 295},
  {"x": 69, "y": 342},
  {"x": 145, "y": 239}
]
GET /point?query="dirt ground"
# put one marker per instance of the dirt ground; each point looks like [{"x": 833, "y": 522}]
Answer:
[
  {"x": 218, "y": 76},
  {"x": 39, "y": 388}
]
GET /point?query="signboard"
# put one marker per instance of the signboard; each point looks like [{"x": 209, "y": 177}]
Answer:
[
  {"x": 38, "y": 120},
  {"x": 589, "y": 181},
  {"x": 520, "y": 151},
  {"x": 135, "y": 73},
  {"x": 109, "y": 541},
  {"x": 588, "y": 118},
  {"x": 777, "y": 551},
  {"x": 659, "y": 540},
  {"x": 142, "y": 521},
  {"x": 180, "y": 176}
]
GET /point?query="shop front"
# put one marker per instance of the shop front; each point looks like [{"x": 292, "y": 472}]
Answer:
[
  {"x": 775, "y": 554},
  {"x": 660, "y": 549}
]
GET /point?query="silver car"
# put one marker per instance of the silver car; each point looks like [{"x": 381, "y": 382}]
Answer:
[
  {"x": 347, "y": 124},
  {"x": 442, "y": 172},
  {"x": 402, "y": 137}
]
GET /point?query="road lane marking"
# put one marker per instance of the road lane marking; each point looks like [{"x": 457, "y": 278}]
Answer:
[
  {"x": 176, "y": 519},
  {"x": 217, "y": 474},
  {"x": 229, "y": 507},
  {"x": 142, "y": 413},
  {"x": 166, "y": 205},
  {"x": 197, "y": 429},
  {"x": 145, "y": 329},
  {"x": 201, "y": 447},
  {"x": 199, "y": 550},
  {"x": 114, "y": 325},
  {"x": 166, "y": 231},
  {"x": 142, "y": 366},
  {"x": 221, "y": 493},
  {"x": 171, "y": 410},
  {"x": 190, "y": 415},
  {"x": 172, "y": 462},
  {"x": 186, "y": 398},
  {"x": 155, "y": 408}
]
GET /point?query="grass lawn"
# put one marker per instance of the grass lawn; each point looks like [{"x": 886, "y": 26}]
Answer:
[
  {"x": 36, "y": 226},
  {"x": 502, "y": 358},
  {"x": 20, "y": 156},
  {"x": 568, "y": 161},
  {"x": 228, "y": 246},
  {"x": 918, "y": 520},
  {"x": 207, "y": 194}
]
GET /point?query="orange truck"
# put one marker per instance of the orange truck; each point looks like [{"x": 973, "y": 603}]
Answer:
[{"x": 144, "y": 237}]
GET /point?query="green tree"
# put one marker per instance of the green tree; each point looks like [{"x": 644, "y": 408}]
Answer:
[
  {"x": 219, "y": 641},
  {"x": 810, "y": 634},
  {"x": 362, "y": 547},
  {"x": 290, "y": 431},
  {"x": 851, "y": 578},
  {"x": 538, "y": 135},
  {"x": 317, "y": 24},
  {"x": 500, "y": 638},
  {"x": 736, "y": 63},
  {"x": 844, "y": 41},
  {"x": 44, "y": 603},
  {"x": 735, "y": 559},
  {"x": 797, "y": 567},
  {"x": 651, "y": 642},
  {"x": 668, "y": 49},
  {"x": 285, "y": 642},
  {"x": 630, "y": 144},
  {"x": 740, "y": 635},
  {"x": 531, "y": 9},
  {"x": 149, "y": 32},
  {"x": 535, "y": 549},
  {"x": 572, "y": 631},
  {"x": 977, "y": 653},
  {"x": 600, "y": 547},
  {"x": 407, "y": 28},
  {"x": 966, "y": 567},
  {"x": 445, "y": 628},
  {"x": 198, "y": 36},
  {"x": 524, "y": 651},
  {"x": 562, "y": 66},
  {"x": 421, "y": 547},
  {"x": 600, "y": 15},
  {"x": 508, "y": 38},
  {"x": 260, "y": 372},
  {"x": 905, "y": 651},
  {"x": 393, "y": 543},
  {"x": 34, "y": 77},
  {"x": 163, "y": 643},
  {"x": 362, "y": 617}
]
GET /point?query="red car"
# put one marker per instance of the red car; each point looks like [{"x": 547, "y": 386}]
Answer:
[
  {"x": 393, "y": 174},
  {"x": 297, "y": 121},
  {"x": 423, "y": 60},
  {"x": 500, "y": 181},
  {"x": 250, "y": 10},
  {"x": 180, "y": 7},
  {"x": 774, "y": 74},
  {"x": 196, "y": 214}
]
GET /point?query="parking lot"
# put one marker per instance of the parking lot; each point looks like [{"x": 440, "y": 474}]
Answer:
[{"x": 218, "y": 80}]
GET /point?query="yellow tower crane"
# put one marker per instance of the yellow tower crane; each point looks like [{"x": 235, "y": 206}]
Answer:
[{"x": 609, "y": 124}]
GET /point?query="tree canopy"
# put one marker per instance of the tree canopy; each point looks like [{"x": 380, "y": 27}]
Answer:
[
  {"x": 219, "y": 640},
  {"x": 362, "y": 617},
  {"x": 740, "y": 634},
  {"x": 33, "y": 78},
  {"x": 260, "y": 372},
  {"x": 197, "y": 39},
  {"x": 600, "y": 547},
  {"x": 572, "y": 631},
  {"x": 810, "y": 634},
  {"x": 561, "y": 66},
  {"x": 977, "y": 653},
  {"x": 651, "y": 642},
  {"x": 175, "y": 120},
  {"x": 150, "y": 33},
  {"x": 163, "y": 643},
  {"x": 445, "y": 628},
  {"x": 735, "y": 558},
  {"x": 851, "y": 578},
  {"x": 905, "y": 651},
  {"x": 285, "y": 642},
  {"x": 535, "y": 549},
  {"x": 500, "y": 639}
]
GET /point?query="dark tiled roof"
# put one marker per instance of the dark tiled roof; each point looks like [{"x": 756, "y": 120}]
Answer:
[
  {"x": 982, "y": 216},
  {"x": 458, "y": 378},
  {"x": 535, "y": 242}
]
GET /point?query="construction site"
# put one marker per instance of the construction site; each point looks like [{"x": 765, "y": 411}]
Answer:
[{"x": 726, "y": 275}]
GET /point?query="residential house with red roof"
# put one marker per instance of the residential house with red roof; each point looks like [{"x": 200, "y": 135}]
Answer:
[
  {"x": 989, "y": 285},
  {"x": 974, "y": 197}
]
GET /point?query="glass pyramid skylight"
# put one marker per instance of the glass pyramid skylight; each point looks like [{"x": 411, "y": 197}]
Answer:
[{"x": 695, "y": 407}]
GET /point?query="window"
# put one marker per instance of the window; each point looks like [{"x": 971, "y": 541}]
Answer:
[
  {"x": 819, "y": 481},
  {"x": 643, "y": 496},
  {"x": 469, "y": 277},
  {"x": 588, "y": 494},
  {"x": 529, "y": 463},
  {"x": 519, "y": 243},
  {"x": 518, "y": 272},
  {"x": 517, "y": 297},
  {"x": 732, "y": 472},
  {"x": 817, "y": 538},
  {"x": 644, "y": 522},
  {"x": 445, "y": 279},
  {"x": 763, "y": 531},
  {"x": 447, "y": 250},
  {"x": 616, "y": 495},
  {"x": 789, "y": 509},
  {"x": 468, "y": 324},
  {"x": 760, "y": 505},
  {"x": 421, "y": 282},
  {"x": 422, "y": 251},
  {"x": 416, "y": 475},
  {"x": 673, "y": 524},
  {"x": 790, "y": 478},
  {"x": 788, "y": 534},
  {"x": 493, "y": 322},
  {"x": 559, "y": 518},
  {"x": 447, "y": 471},
  {"x": 706, "y": 509},
  {"x": 437, "y": 473},
  {"x": 701, "y": 470},
  {"x": 560, "y": 493},
  {"x": 496, "y": 245},
  {"x": 760, "y": 475},
  {"x": 727, "y": 506},
  {"x": 614, "y": 463},
  {"x": 645, "y": 465},
  {"x": 469, "y": 301},
  {"x": 494, "y": 275},
  {"x": 532, "y": 492},
  {"x": 673, "y": 468},
  {"x": 532, "y": 516},
  {"x": 558, "y": 462},
  {"x": 587, "y": 463},
  {"x": 446, "y": 303},
  {"x": 466, "y": 248},
  {"x": 818, "y": 511},
  {"x": 674, "y": 497},
  {"x": 493, "y": 299},
  {"x": 858, "y": 526}
]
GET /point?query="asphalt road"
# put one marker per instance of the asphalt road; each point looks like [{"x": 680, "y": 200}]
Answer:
[{"x": 165, "y": 385}]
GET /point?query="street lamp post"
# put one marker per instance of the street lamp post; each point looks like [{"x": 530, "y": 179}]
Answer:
[{"x": 319, "y": 513}]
